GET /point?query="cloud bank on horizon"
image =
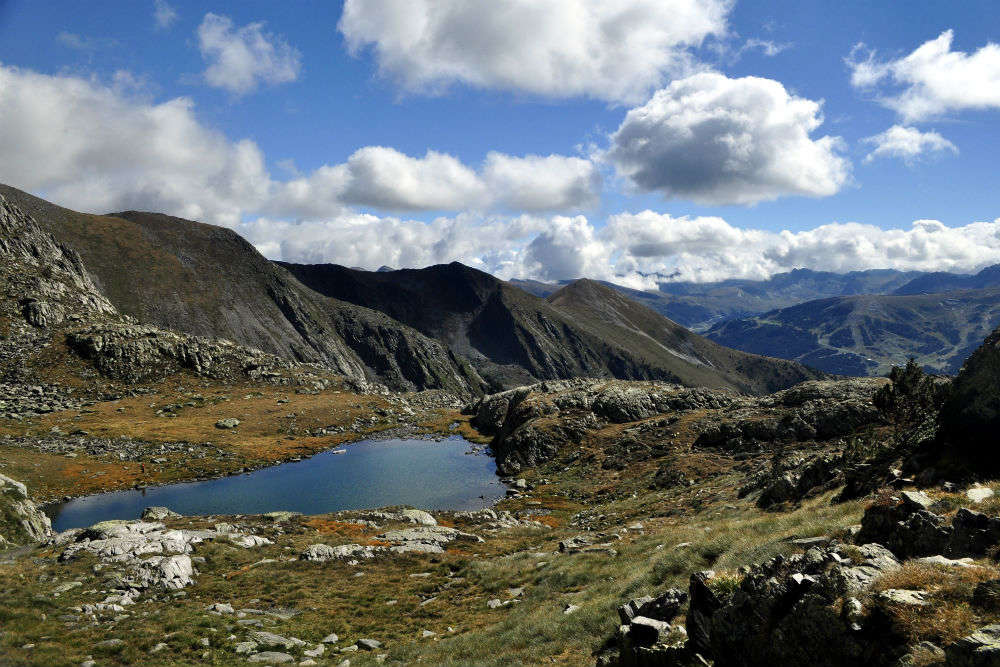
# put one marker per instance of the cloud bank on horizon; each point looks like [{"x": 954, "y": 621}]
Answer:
[{"x": 686, "y": 132}]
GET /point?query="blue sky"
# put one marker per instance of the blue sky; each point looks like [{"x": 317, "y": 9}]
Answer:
[{"x": 306, "y": 126}]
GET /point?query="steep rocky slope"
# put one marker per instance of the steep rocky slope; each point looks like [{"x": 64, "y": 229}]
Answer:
[
  {"x": 207, "y": 281},
  {"x": 51, "y": 309},
  {"x": 512, "y": 337},
  {"x": 972, "y": 412},
  {"x": 866, "y": 335},
  {"x": 648, "y": 335}
]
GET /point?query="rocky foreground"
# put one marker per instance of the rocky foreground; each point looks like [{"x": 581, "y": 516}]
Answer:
[{"x": 646, "y": 524}]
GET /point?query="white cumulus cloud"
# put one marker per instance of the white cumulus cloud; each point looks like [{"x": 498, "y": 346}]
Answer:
[
  {"x": 92, "y": 147},
  {"x": 382, "y": 177},
  {"x": 717, "y": 140},
  {"x": 615, "y": 51},
  {"x": 932, "y": 80},
  {"x": 105, "y": 147},
  {"x": 709, "y": 248},
  {"x": 907, "y": 143},
  {"x": 638, "y": 250},
  {"x": 241, "y": 59},
  {"x": 542, "y": 183}
]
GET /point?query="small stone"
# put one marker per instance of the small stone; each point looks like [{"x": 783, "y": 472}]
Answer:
[
  {"x": 369, "y": 644},
  {"x": 109, "y": 643},
  {"x": 570, "y": 608},
  {"x": 245, "y": 647},
  {"x": 228, "y": 422},
  {"x": 349, "y": 649},
  {"x": 159, "y": 647},
  {"x": 426, "y": 634},
  {"x": 271, "y": 657},
  {"x": 947, "y": 562},
  {"x": 331, "y": 638},
  {"x": 316, "y": 652},
  {"x": 494, "y": 603}
]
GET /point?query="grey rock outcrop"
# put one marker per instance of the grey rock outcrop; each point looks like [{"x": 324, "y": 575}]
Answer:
[
  {"x": 142, "y": 555},
  {"x": 980, "y": 649},
  {"x": 530, "y": 424},
  {"x": 419, "y": 539},
  {"x": 910, "y": 529},
  {"x": 794, "y": 611},
  {"x": 21, "y": 522}
]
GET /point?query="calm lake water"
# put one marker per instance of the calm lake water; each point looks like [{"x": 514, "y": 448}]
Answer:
[{"x": 422, "y": 473}]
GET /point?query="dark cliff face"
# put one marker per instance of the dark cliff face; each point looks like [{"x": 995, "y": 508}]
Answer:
[
  {"x": 971, "y": 415},
  {"x": 208, "y": 281},
  {"x": 512, "y": 337}
]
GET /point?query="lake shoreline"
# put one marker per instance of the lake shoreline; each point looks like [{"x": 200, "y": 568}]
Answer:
[{"x": 403, "y": 439}]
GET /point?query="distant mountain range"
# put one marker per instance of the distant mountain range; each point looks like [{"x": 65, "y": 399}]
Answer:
[
  {"x": 868, "y": 334},
  {"x": 858, "y": 323},
  {"x": 699, "y": 306}
]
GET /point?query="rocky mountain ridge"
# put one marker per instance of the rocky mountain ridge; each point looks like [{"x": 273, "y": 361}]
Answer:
[
  {"x": 206, "y": 281},
  {"x": 513, "y": 338}
]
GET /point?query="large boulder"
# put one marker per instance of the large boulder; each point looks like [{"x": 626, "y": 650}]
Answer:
[{"x": 21, "y": 522}]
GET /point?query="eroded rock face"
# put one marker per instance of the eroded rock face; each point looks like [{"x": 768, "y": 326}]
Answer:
[
  {"x": 21, "y": 522},
  {"x": 135, "y": 352}
]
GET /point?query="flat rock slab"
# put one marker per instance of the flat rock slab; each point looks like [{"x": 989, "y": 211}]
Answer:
[
  {"x": 904, "y": 597},
  {"x": 947, "y": 562},
  {"x": 271, "y": 658}
]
